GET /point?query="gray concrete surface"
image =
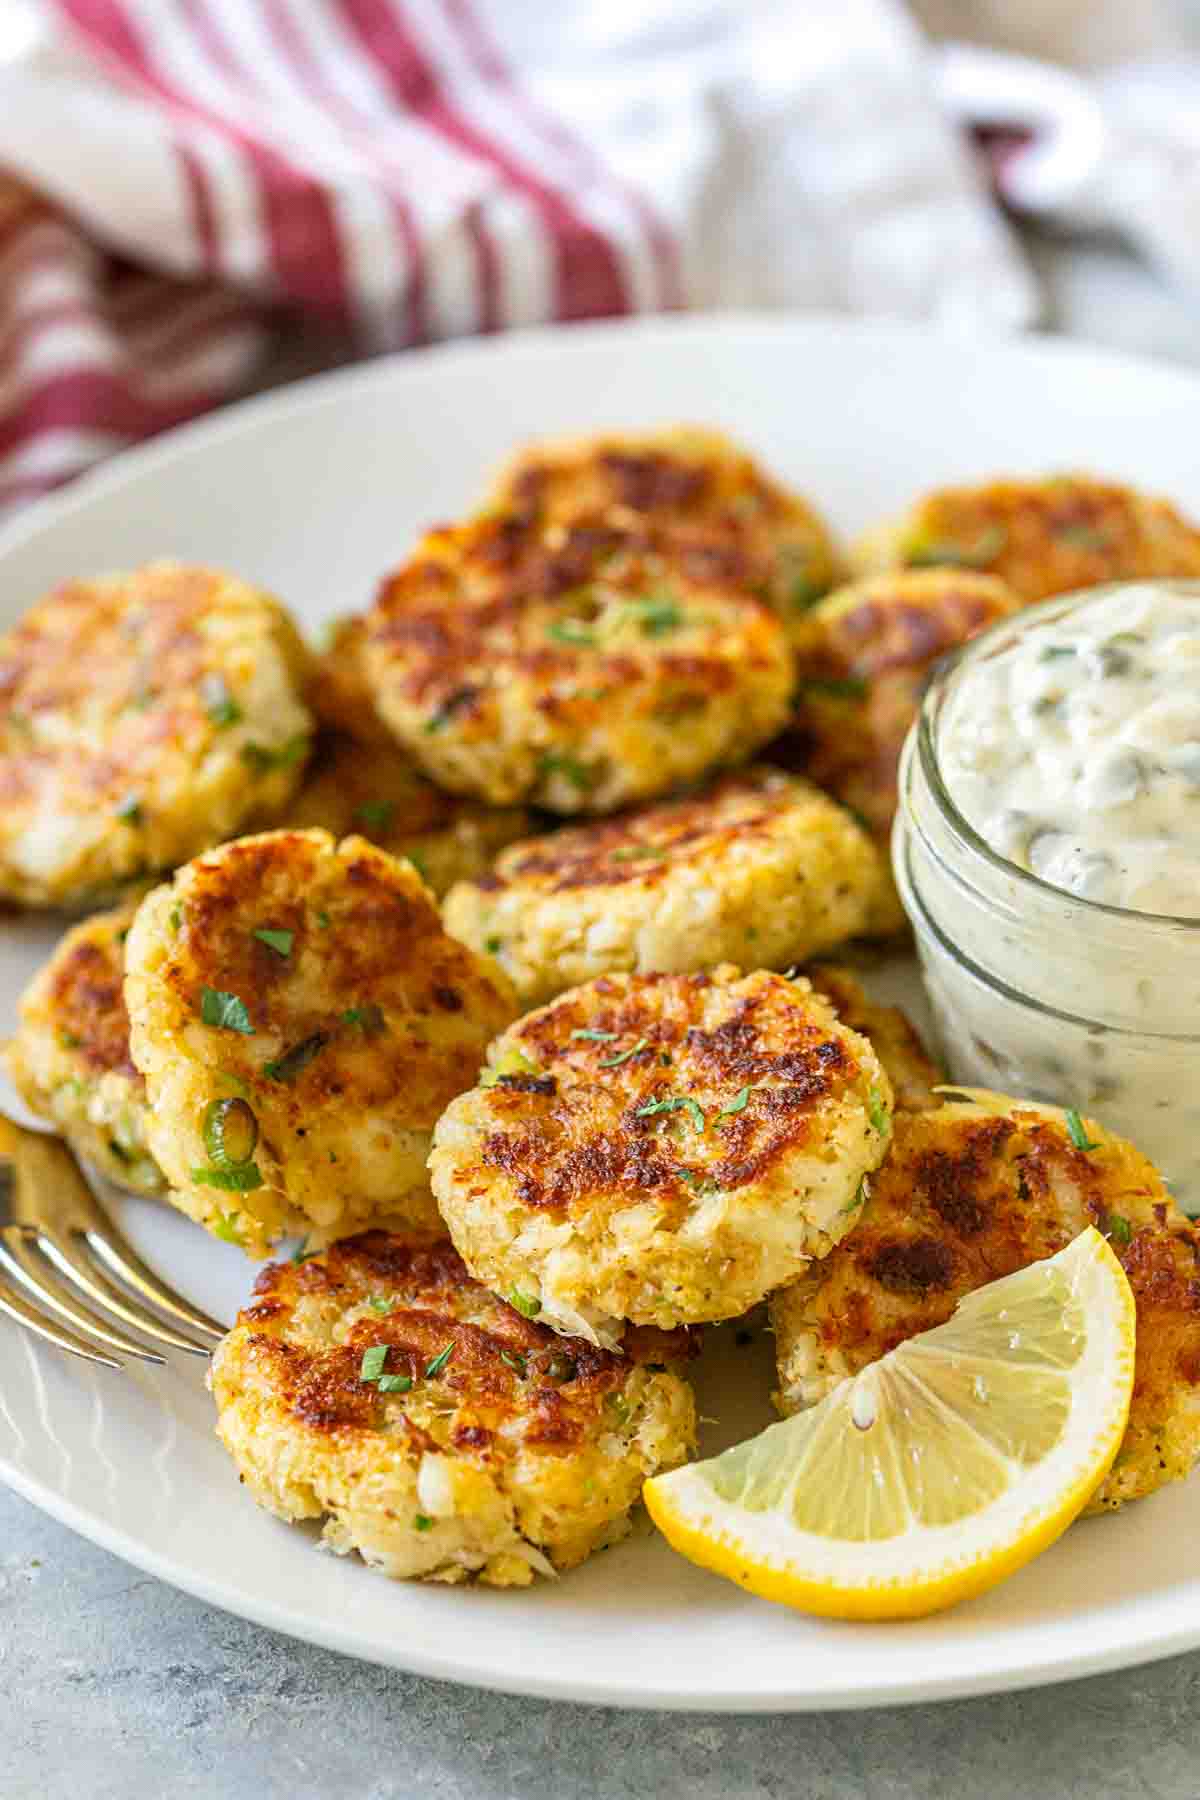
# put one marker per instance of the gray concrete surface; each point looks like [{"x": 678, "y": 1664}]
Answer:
[{"x": 116, "y": 1687}]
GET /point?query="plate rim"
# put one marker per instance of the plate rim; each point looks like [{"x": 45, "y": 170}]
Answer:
[{"x": 1141, "y": 1642}]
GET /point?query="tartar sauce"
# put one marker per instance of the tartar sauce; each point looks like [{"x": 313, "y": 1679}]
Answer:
[
  {"x": 1068, "y": 737},
  {"x": 1075, "y": 751}
]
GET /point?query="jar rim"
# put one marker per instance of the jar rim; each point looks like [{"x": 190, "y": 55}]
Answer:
[{"x": 937, "y": 690}]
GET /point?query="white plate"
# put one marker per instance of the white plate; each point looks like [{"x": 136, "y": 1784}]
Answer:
[{"x": 314, "y": 492}]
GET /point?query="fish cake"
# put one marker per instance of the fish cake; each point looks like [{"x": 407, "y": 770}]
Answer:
[
  {"x": 578, "y": 668},
  {"x": 760, "y": 868},
  {"x": 377, "y": 791},
  {"x": 301, "y": 1019},
  {"x": 863, "y": 655},
  {"x": 729, "y": 517},
  {"x": 975, "y": 1190},
  {"x": 432, "y": 1427},
  {"x": 911, "y": 1070},
  {"x": 70, "y": 1061},
  {"x": 143, "y": 717},
  {"x": 663, "y": 1149},
  {"x": 1043, "y": 535}
]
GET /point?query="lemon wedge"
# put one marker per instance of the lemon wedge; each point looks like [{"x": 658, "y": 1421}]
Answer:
[{"x": 935, "y": 1472}]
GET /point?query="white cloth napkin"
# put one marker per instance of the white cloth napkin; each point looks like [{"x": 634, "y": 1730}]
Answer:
[{"x": 186, "y": 183}]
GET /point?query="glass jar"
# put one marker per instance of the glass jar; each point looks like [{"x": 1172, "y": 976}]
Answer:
[{"x": 1034, "y": 991}]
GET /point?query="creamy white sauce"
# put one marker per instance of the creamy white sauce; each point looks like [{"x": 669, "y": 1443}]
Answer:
[
  {"x": 1075, "y": 752},
  {"x": 1083, "y": 768}
]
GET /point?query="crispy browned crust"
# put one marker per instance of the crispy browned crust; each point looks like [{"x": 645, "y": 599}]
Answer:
[
  {"x": 133, "y": 641},
  {"x": 378, "y": 941},
  {"x": 338, "y": 690},
  {"x": 731, "y": 522},
  {"x": 862, "y": 659},
  {"x": 87, "y": 994},
  {"x": 550, "y": 1392},
  {"x": 963, "y": 1200},
  {"x": 645, "y": 844},
  {"x": 1053, "y": 535},
  {"x": 472, "y": 606},
  {"x": 574, "y": 1129},
  {"x": 909, "y": 1067}
]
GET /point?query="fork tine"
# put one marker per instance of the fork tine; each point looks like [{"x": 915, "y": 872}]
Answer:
[
  {"x": 20, "y": 1311},
  {"x": 74, "y": 1268},
  {"x": 122, "y": 1261},
  {"x": 20, "y": 1262}
]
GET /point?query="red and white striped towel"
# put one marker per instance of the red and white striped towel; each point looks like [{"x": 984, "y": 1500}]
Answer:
[{"x": 188, "y": 178}]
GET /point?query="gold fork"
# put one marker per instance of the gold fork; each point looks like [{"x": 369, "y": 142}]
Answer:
[{"x": 59, "y": 1248}]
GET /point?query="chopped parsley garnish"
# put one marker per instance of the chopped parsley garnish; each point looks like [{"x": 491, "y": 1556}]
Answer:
[
  {"x": 242, "y": 1179},
  {"x": 657, "y": 615},
  {"x": 279, "y": 941},
  {"x": 226, "y": 1228},
  {"x": 594, "y": 1037},
  {"x": 219, "y": 703},
  {"x": 371, "y": 1367},
  {"x": 394, "y": 1384},
  {"x": 438, "y": 1363},
  {"x": 860, "y": 1195},
  {"x": 700, "y": 1184},
  {"x": 835, "y": 687},
  {"x": 176, "y": 917},
  {"x": 322, "y": 919},
  {"x": 935, "y": 553},
  {"x": 369, "y": 1019},
  {"x": 571, "y": 631},
  {"x": 1053, "y": 652},
  {"x": 561, "y": 1368},
  {"x": 302, "y": 1253},
  {"x": 68, "y": 1040},
  {"x": 1077, "y": 1133},
  {"x": 225, "y": 1011},
  {"x": 293, "y": 1062},
  {"x": 638, "y": 853},
  {"x": 737, "y": 1105},
  {"x": 877, "y": 1112},
  {"x": 130, "y": 810},
  {"x": 1118, "y": 1229},
  {"x": 514, "y": 1362},
  {"x": 376, "y": 815},
  {"x": 382, "y": 1307},
  {"x": 614, "y": 1062},
  {"x": 676, "y": 1103},
  {"x": 423, "y": 1522},
  {"x": 448, "y": 708},
  {"x": 558, "y": 762},
  {"x": 804, "y": 592},
  {"x": 493, "y": 945},
  {"x": 528, "y": 1305},
  {"x": 263, "y": 758}
]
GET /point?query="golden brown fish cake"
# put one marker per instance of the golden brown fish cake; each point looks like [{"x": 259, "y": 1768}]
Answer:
[
  {"x": 301, "y": 1019},
  {"x": 863, "y": 655},
  {"x": 978, "y": 1189},
  {"x": 730, "y": 519},
  {"x": 142, "y": 718},
  {"x": 481, "y": 1444},
  {"x": 577, "y": 668},
  {"x": 70, "y": 1060},
  {"x": 760, "y": 868},
  {"x": 660, "y": 1148},
  {"x": 338, "y": 690},
  {"x": 1042, "y": 535},
  {"x": 377, "y": 791},
  {"x": 911, "y": 1070}
]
